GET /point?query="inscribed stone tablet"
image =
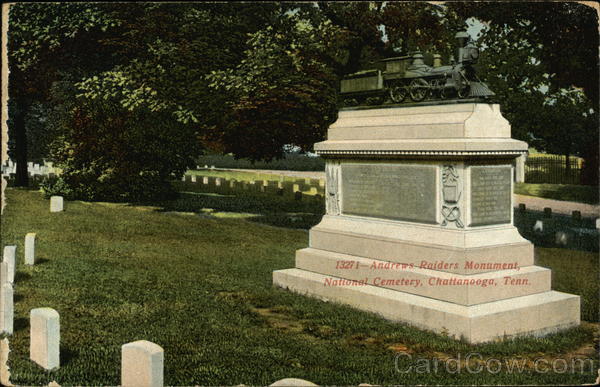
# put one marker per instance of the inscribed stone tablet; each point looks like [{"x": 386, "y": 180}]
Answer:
[
  {"x": 490, "y": 195},
  {"x": 393, "y": 191}
]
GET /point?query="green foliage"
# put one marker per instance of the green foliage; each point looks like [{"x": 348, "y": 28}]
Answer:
[
  {"x": 541, "y": 59},
  {"x": 364, "y": 25},
  {"x": 51, "y": 186},
  {"x": 282, "y": 92},
  {"x": 41, "y": 32},
  {"x": 108, "y": 153},
  {"x": 289, "y": 162},
  {"x": 423, "y": 26}
]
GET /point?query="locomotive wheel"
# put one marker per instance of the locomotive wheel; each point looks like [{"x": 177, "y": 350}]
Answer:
[
  {"x": 398, "y": 93},
  {"x": 464, "y": 92},
  {"x": 445, "y": 93},
  {"x": 350, "y": 102},
  {"x": 419, "y": 89}
]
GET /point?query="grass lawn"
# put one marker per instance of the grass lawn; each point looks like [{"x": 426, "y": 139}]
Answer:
[
  {"x": 567, "y": 192},
  {"x": 198, "y": 283}
]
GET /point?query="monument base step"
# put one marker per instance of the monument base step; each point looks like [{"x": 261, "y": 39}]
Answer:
[{"x": 537, "y": 314}]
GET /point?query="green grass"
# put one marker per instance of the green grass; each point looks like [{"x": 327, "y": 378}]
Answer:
[
  {"x": 574, "y": 272},
  {"x": 567, "y": 192},
  {"x": 200, "y": 287}
]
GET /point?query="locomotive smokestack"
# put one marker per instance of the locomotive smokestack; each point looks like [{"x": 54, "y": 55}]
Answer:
[{"x": 462, "y": 37}]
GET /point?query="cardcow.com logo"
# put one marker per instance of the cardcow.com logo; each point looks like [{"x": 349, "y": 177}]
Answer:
[{"x": 475, "y": 363}]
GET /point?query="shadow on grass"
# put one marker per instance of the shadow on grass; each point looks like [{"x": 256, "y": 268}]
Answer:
[
  {"x": 257, "y": 207},
  {"x": 20, "y": 276},
  {"x": 66, "y": 355},
  {"x": 578, "y": 234},
  {"x": 20, "y": 323}
]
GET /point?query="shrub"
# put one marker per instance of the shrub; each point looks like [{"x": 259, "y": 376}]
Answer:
[
  {"x": 55, "y": 186},
  {"x": 110, "y": 153}
]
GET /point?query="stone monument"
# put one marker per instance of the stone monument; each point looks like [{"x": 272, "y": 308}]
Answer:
[{"x": 419, "y": 225}]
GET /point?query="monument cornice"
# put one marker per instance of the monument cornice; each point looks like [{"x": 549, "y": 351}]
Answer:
[{"x": 419, "y": 152}]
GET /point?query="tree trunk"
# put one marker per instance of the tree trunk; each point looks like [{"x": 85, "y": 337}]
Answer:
[
  {"x": 589, "y": 171},
  {"x": 22, "y": 177}
]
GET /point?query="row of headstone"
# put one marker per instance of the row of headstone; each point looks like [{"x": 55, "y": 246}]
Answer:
[
  {"x": 142, "y": 362},
  {"x": 8, "y": 268},
  {"x": 305, "y": 186},
  {"x": 47, "y": 169},
  {"x": 575, "y": 215},
  {"x": 44, "y": 322},
  {"x": 7, "y": 279}
]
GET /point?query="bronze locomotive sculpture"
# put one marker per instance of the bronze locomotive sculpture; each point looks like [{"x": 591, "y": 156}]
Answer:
[{"x": 409, "y": 77}]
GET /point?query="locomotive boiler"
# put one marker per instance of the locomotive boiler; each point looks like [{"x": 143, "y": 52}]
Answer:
[{"x": 407, "y": 78}]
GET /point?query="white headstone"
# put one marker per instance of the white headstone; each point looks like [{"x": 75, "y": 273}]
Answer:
[
  {"x": 598, "y": 223},
  {"x": 205, "y": 180},
  {"x": 561, "y": 238},
  {"x": 56, "y": 203},
  {"x": 3, "y": 273},
  {"x": 30, "y": 248},
  {"x": 44, "y": 348},
  {"x": 291, "y": 382},
  {"x": 10, "y": 257},
  {"x": 193, "y": 178},
  {"x": 6, "y": 309},
  {"x": 538, "y": 226},
  {"x": 142, "y": 364}
]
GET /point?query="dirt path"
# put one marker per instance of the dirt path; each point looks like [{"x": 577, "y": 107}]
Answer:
[
  {"x": 531, "y": 202},
  {"x": 558, "y": 206}
]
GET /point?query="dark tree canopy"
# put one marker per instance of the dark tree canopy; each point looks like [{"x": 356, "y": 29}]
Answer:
[
  {"x": 541, "y": 58},
  {"x": 250, "y": 78}
]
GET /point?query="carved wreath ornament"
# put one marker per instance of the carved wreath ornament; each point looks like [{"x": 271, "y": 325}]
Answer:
[
  {"x": 332, "y": 201},
  {"x": 451, "y": 194}
]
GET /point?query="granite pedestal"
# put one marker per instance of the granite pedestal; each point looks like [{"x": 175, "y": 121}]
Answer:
[{"x": 419, "y": 225}]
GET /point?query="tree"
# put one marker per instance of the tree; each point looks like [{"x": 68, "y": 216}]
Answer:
[
  {"x": 282, "y": 92},
  {"x": 375, "y": 30},
  {"x": 241, "y": 78},
  {"x": 39, "y": 34},
  {"x": 151, "y": 80},
  {"x": 535, "y": 54}
]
